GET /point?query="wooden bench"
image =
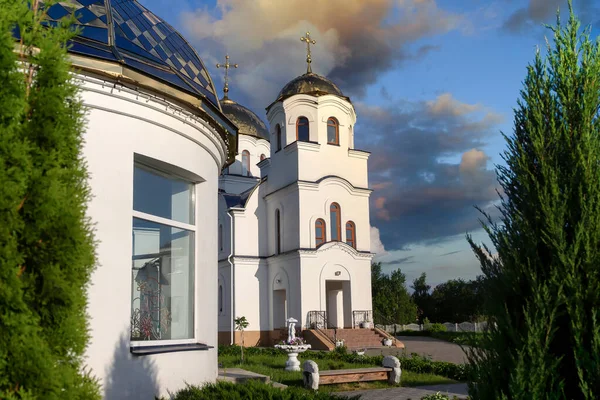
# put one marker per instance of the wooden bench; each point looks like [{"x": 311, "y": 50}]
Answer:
[{"x": 390, "y": 371}]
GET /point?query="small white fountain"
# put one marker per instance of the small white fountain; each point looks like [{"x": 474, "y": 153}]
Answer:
[{"x": 292, "y": 346}]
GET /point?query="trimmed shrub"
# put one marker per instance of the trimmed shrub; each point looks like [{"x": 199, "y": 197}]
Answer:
[{"x": 249, "y": 390}]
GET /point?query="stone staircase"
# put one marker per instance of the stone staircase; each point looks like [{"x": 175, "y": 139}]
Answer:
[{"x": 355, "y": 339}]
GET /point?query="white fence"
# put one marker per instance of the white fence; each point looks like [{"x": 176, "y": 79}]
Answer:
[{"x": 450, "y": 327}]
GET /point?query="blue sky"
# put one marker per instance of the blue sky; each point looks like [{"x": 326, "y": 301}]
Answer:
[{"x": 433, "y": 83}]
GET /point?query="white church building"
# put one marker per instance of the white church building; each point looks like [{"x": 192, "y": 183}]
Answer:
[
  {"x": 294, "y": 231},
  {"x": 203, "y": 213}
]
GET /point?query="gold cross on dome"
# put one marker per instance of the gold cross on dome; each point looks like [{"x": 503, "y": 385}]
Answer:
[
  {"x": 308, "y": 41},
  {"x": 227, "y": 65}
]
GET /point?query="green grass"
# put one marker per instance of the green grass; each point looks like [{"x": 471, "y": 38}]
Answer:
[
  {"x": 273, "y": 366},
  {"x": 460, "y": 338}
]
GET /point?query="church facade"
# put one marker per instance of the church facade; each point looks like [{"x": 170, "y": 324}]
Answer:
[
  {"x": 294, "y": 229},
  {"x": 202, "y": 212}
]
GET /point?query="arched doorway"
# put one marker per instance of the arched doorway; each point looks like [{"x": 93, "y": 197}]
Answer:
[{"x": 336, "y": 296}]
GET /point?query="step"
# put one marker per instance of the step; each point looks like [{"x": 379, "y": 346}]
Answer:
[{"x": 238, "y": 375}]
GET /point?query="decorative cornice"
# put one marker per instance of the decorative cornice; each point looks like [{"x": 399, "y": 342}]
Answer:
[
  {"x": 359, "y": 154},
  {"x": 309, "y": 184},
  {"x": 338, "y": 246},
  {"x": 299, "y": 145},
  {"x": 299, "y": 252}
]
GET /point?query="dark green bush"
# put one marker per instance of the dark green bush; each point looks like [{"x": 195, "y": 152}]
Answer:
[
  {"x": 437, "y": 327},
  {"x": 250, "y": 390}
]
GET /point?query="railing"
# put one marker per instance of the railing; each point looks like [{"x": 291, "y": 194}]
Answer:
[
  {"x": 361, "y": 316},
  {"x": 450, "y": 326},
  {"x": 383, "y": 322},
  {"x": 317, "y": 320}
]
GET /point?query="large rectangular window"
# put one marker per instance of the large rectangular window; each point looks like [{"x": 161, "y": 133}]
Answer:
[{"x": 162, "y": 294}]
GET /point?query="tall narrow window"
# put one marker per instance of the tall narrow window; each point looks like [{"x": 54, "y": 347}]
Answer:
[
  {"x": 335, "y": 218},
  {"x": 221, "y": 237},
  {"x": 220, "y": 299},
  {"x": 302, "y": 132},
  {"x": 277, "y": 232},
  {"x": 262, "y": 157},
  {"x": 278, "y": 138},
  {"x": 320, "y": 235},
  {"x": 333, "y": 136},
  {"x": 246, "y": 163},
  {"x": 163, "y": 254},
  {"x": 351, "y": 234}
]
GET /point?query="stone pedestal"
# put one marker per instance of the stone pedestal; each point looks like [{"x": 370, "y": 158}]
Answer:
[{"x": 292, "y": 363}]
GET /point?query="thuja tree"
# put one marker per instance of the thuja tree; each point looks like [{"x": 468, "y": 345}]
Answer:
[
  {"x": 46, "y": 243},
  {"x": 542, "y": 289}
]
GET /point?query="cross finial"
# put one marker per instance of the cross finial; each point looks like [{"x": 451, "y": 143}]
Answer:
[
  {"x": 308, "y": 41},
  {"x": 226, "y": 66}
]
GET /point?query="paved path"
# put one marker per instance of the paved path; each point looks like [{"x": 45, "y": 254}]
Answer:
[
  {"x": 439, "y": 350},
  {"x": 405, "y": 393}
]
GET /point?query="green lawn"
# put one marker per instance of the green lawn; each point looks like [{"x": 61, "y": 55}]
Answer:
[{"x": 273, "y": 366}]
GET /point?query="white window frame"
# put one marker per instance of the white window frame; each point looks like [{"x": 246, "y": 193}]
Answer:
[{"x": 175, "y": 224}]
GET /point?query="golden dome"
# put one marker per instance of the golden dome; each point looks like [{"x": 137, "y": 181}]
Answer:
[
  {"x": 247, "y": 122},
  {"x": 310, "y": 83}
]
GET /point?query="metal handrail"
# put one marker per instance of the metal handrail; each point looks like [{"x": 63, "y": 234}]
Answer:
[
  {"x": 379, "y": 317},
  {"x": 317, "y": 320}
]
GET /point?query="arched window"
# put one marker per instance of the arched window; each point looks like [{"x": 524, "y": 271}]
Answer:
[
  {"x": 335, "y": 218},
  {"x": 302, "y": 134},
  {"x": 220, "y": 299},
  {"x": 262, "y": 157},
  {"x": 277, "y": 232},
  {"x": 320, "y": 235},
  {"x": 278, "y": 138},
  {"x": 221, "y": 237},
  {"x": 246, "y": 163},
  {"x": 351, "y": 234},
  {"x": 333, "y": 134}
]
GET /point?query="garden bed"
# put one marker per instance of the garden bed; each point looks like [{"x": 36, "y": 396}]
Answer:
[{"x": 416, "y": 370}]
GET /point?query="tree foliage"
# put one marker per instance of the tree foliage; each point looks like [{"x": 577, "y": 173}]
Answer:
[
  {"x": 391, "y": 301},
  {"x": 422, "y": 297},
  {"x": 46, "y": 243},
  {"x": 543, "y": 288},
  {"x": 456, "y": 300}
]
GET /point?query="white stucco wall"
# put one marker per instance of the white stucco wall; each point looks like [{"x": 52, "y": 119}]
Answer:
[
  {"x": 302, "y": 180},
  {"x": 256, "y": 147},
  {"x": 311, "y": 161},
  {"x": 121, "y": 124}
]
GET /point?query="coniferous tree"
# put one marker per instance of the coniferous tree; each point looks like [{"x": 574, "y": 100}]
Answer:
[
  {"x": 46, "y": 242},
  {"x": 543, "y": 287}
]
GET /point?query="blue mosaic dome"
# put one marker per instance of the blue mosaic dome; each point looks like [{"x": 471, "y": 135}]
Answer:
[{"x": 126, "y": 32}]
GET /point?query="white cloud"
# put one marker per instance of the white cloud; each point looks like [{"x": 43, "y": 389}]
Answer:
[{"x": 376, "y": 244}]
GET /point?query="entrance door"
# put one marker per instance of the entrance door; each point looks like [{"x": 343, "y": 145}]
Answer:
[
  {"x": 335, "y": 304},
  {"x": 279, "y": 308}
]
